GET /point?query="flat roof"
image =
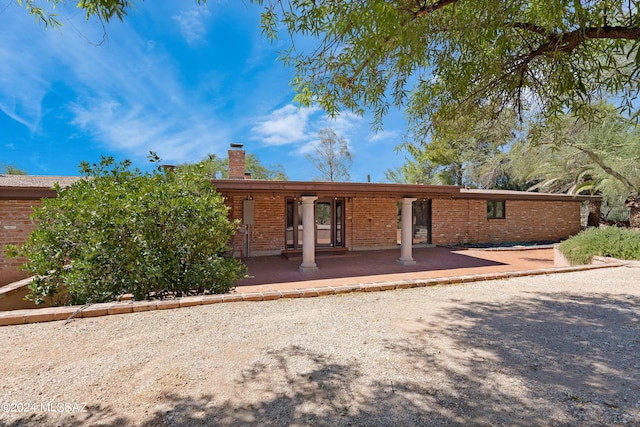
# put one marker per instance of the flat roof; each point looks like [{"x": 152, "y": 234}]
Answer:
[
  {"x": 321, "y": 188},
  {"x": 32, "y": 187},
  {"x": 313, "y": 188},
  {"x": 467, "y": 193},
  {"x": 39, "y": 186}
]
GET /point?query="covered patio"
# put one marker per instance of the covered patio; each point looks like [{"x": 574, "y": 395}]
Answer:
[{"x": 271, "y": 273}]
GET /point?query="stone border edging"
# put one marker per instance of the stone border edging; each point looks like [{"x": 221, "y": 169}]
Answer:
[
  {"x": 49, "y": 314},
  {"x": 13, "y": 287}
]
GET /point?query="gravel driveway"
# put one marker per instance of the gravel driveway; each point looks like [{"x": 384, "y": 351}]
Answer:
[{"x": 560, "y": 350}]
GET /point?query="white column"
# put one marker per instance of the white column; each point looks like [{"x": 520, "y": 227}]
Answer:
[
  {"x": 308, "y": 235},
  {"x": 407, "y": 232}
]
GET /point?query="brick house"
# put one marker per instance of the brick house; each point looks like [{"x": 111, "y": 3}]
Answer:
[
  {"x": 287, "y": 217},
  {"x": 305, "y": 218}
]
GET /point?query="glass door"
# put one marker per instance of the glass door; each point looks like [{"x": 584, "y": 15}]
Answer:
[
  {"x": 422, "y": 221},
  {"x": 324, "y": 224},
  {"x": 329, "y": 223}
]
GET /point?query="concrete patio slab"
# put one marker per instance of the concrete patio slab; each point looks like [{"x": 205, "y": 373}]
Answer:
[{"x": 372, "y": 267}]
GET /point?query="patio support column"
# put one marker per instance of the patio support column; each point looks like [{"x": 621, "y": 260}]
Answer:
[
  {"x": 406, "y": 233},
  {"x": 308, "y": 235}
]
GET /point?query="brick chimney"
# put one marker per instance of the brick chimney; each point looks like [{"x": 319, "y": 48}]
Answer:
[{"x": 236, "y": 162}]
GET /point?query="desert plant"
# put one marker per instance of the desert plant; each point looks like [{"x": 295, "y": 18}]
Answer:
[
  {"x": 119, "y": 231},
  {"x": 615, "y": 242}
]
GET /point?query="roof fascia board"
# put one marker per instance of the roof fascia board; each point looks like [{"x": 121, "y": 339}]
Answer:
[{"x": 26, "y": 193}]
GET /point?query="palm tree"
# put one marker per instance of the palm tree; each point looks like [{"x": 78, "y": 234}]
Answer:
[{"x": 569, "y": 155}]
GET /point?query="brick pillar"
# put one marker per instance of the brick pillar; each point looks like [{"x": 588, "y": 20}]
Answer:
[
  {"x": 593, "y": 220},
  {"x": 236, "y": 164}
]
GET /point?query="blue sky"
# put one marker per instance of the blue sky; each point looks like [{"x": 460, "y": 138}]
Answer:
[{"x": 180, "y": 79}]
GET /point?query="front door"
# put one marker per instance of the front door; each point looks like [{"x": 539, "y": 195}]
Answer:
[
  {"x": 422, "y": 221},
  {"x": 329, "y": 228}
]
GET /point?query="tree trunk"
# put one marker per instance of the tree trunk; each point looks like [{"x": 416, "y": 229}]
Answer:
[
  {"x": 634, "y": 218},
  {"x": 633, "y": 203},
  {"x": 594, "y": 213}
]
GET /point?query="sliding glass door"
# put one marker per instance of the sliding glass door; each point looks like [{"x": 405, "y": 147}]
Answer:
[{"x": 329, "y": 227}]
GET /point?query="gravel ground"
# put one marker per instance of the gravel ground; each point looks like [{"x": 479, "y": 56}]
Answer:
[{"x": 560, "y": 350}]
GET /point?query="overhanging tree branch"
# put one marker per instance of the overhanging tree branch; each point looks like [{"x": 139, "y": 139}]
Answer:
[
  {"x": 597, "y": 160},
  {"x": 430, "y": 8},
  {"x": 567, "y": 42}
]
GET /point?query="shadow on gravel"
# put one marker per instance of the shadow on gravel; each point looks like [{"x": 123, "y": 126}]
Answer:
[
  {"x": 90, "y": 416},
  {"x": 325, "y": 394},
  {"x": 549, "y": 359}
]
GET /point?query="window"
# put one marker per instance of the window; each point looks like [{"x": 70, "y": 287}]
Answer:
[{"x": 495, "y": 209}]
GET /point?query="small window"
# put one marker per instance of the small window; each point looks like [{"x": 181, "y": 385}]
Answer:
[{"x": 495, "y": 209}]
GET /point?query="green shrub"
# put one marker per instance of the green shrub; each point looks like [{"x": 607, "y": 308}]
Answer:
[
  {"x": 121, "y": 231},
  {"x": 621, "y": 243}
]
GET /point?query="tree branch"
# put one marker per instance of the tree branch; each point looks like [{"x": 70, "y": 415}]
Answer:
[
  {"x": 530, "y": 27},
  {"x": 567, "y": 42},
  {"x": 423, "y": 10},
  {"x": 426, "y": 9},
  {"x": 597, "y": 160}
]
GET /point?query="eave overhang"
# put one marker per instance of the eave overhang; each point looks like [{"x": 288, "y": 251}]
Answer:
[{"x": 353, "y": 189}]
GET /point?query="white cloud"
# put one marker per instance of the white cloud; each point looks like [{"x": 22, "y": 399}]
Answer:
[
  {"x": 192, "y": 23},
  {"x": 23, "y": 84},
  {"x": 286, "y": 125},
  {"x": 386, "y": 136},
  {"x": 132, "y": 94},
  {"x": 137, "y": 130},
  {"x": 343, "y": 123},
  {"x": 126, "y": 94}
]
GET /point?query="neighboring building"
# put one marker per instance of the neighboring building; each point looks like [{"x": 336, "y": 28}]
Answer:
[{"x": 303, "y": 218}]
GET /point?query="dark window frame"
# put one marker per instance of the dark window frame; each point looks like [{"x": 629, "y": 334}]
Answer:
[
  {"x": 337, "y": 212},
  {"x": 496, "y": 209}
]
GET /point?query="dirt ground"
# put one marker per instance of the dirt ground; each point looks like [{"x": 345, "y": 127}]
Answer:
[{"x": 560, "y": 349}]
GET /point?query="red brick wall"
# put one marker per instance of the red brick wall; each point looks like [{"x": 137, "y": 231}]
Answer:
[
  {"x": 266, "y": 236},
  {"x": 267, "y": 233},
  {"x": 370, "y": 222},
  {"x": 373, "y": 225},
  {"x": 235, "y": 212},
  {"x": 465, "y": 221},
  {"x": 15, "y": 227}
]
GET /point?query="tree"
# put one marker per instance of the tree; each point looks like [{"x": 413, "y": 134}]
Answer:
[
  {"x": 212, "y": 166},
  {"x": 569, "y": 155},
  {"x": 122, "y": 231},
  {"x": 104, "y": 10},
  {"x": 271, "y": 173},
  {"x": 331, "y": 157},
  {"x": 441, "y": 59},
  {"x": 416, "y": 170},
  {"x": 216, "y": 167},
  {"x": 445, "y": 57},
  {"x": 467, "y": 151},
  {"x": 11, "y": 170}
]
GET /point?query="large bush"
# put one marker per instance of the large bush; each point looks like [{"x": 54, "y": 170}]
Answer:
[
  {"x": 123, "y": 231},
  {"x": 615, "y": 242}
]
